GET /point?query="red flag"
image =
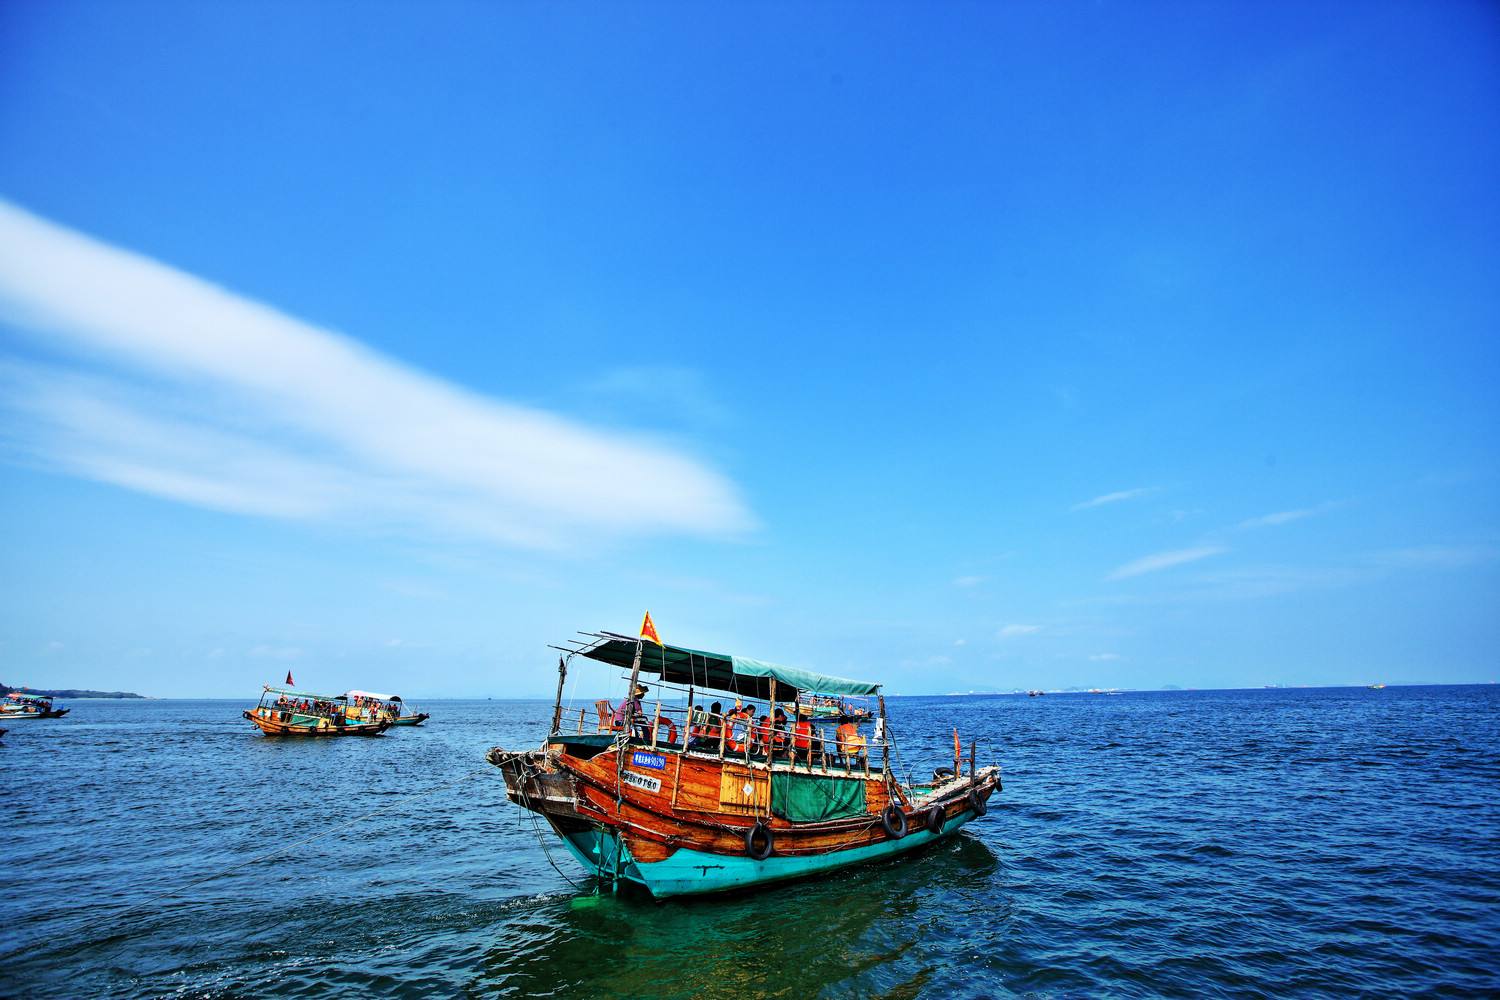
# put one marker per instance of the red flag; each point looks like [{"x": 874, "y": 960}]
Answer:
[
  {"x": 289, "y": 679},
  {"x": 648, "y": 630}
]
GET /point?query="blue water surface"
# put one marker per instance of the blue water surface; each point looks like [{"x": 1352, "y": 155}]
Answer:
[{"x": 1243, "y": 843}]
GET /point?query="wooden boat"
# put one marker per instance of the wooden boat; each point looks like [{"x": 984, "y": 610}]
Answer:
[
  {"x": 19, "y": 705},
  {"x": 386, "y": 706},
  {"x": 703, "y": 808},
  {"x": 285, "y": 711}
]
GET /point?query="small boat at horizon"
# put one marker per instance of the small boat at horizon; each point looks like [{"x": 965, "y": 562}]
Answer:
[
  {"x": 287, "y": 711},
  {"x": 19, "y": 705},
  {"x": 683, "y": 801}
]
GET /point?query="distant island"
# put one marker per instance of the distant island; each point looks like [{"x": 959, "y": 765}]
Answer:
[{"x": 68, "y": 693}]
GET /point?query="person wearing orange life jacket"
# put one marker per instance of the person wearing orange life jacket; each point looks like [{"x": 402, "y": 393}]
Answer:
[
  {"x": 851, "y": 744},
  {"x": 737, "y": 725},
  {"x": 779, "y": 737},
  {"x": 706, "y": 735},
  {"x": 802, "y": 733},
  {"x": 760, "y": 742}
]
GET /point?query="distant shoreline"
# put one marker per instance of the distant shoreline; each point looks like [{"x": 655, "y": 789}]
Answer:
[{"x": 74, "y": 694}]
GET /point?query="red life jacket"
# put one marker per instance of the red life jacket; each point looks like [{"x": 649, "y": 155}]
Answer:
[{"x": 802, "y": 738}]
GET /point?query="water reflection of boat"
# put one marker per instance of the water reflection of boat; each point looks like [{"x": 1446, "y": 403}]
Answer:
[
  {"x": 728, "y": 802},
  {"x": 285, "y": 711},
  {"x": 19, "y": 705},
  {"x": 698, "y": 949},
  {"x": 387, "y": 706}
]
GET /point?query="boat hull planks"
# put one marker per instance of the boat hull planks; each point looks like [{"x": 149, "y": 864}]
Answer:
[
  {"x": 687, "y": 872},
  {"x": 273, "y": 726},
  {"x": 56, "y": 713},
  {"x": 682, "y": 830}
]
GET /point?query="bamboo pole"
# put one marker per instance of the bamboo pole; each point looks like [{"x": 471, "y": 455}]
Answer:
[
  {"x": 656, "y": 725},
  {"x": 562, "y": 675},
  {"x": 771, "y": 728},
  {"x": 885, "y": 741},
  {"x": 580, "y": 722}
]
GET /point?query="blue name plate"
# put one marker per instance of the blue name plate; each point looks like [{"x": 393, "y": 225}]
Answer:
[{"x": 655, "y": 761}]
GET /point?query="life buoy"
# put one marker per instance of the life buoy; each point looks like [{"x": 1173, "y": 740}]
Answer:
[
  {"x": 976, "y": 803},
  {"x": 760, "y": 843},
  {"x": 894, "y": 821},
  {"x": 671, "y": 728},
  {"x": 934, "y": 820}
]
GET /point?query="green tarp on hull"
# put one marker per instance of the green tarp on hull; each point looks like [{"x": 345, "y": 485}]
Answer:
[{"x": 808, "y": 798}]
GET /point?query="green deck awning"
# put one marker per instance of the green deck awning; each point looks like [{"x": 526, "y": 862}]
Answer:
[
  {"x": 299, "y": 693},
  {"x": 720, "y": 671}
]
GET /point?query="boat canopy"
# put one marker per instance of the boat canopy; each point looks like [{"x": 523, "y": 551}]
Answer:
[
  {"x": 24, "y": 696},
  {"x": 720, "y": 671},
  {"x": 299, "y": 693},
  {"x": 372, "y": 694}
]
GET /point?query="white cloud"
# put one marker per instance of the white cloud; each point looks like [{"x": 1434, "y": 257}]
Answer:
[
  {"x": 1283, "y": 517},
  {"x": 1433, "y": 556},
  {"x": 1109, "y": 498},
  {"x": 1165, "y": 560},
  {"x": 960, "y": 642},
  {"x": 220, "y": 401},
  {"x": 1103, "y": 657},
  {"x": 1011, "y": 631},
  {"x": 968, "y": 581}
]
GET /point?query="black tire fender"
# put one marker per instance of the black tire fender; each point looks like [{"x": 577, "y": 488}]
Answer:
[
  {"x": 934, "y": 820},
  {"x": 760, "y": 842},
  {"x": 894, "y": 821},
  {"x": 976, "y": 803}
]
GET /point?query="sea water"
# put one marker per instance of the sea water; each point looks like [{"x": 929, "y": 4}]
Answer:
[{"x": 1244, "y": 843}]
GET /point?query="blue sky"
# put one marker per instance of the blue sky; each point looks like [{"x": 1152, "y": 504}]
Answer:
[{"x": 971, "y": 348}]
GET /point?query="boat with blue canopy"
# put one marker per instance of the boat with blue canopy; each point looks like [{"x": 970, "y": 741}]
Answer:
[{"x": 682, "y": 797}]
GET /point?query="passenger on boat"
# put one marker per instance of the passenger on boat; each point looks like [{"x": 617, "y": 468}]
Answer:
[
  {"x": 737, "y": 726},
  {"x": 632, "y": 709},
  {"x": 760, "y": 742},
  {"x": 802, "y": 737},
  {"x": 706, "y": 735},
  {"x": 780, "y": 739},
  {"x": 851, "y": 744}
]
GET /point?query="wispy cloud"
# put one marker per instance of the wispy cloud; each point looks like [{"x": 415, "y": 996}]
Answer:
[
  {"x": 1012, "y": 631},
  {"x": 1119, "y": 497},
  {"x": 1165, "y": 560},
  {"x": 1433, "y": 556},
  {"x": 209, "y": 398},
  {"x": 1103, "y": 657},
  {"x": 1283, "y": 517},
  {"x": 968, "y": 581}
]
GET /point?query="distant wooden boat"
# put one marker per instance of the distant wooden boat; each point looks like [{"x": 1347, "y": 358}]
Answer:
[
  {"x": 1377, "y": 687},
  {"x": 723, "y": 803},
  {"x": 285, "y": 711},
  {"x": 385, "y": 706},
  {"x": 18, "y": 705}
]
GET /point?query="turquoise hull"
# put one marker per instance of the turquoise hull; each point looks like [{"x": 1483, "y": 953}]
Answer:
[{"x": 689, "y": 872}]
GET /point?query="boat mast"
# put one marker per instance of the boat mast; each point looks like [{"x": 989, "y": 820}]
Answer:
[{"x": 562, "y": 674}]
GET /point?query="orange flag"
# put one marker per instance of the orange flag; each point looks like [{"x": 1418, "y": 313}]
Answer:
[
  {"x": 648, "y": 629},
  {"x": 289, "y": 678}
]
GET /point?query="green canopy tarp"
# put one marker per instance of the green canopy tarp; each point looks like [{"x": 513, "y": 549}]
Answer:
[
  {"x": 810, "y": 798},
  {"x": 720, "y": 671}
]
